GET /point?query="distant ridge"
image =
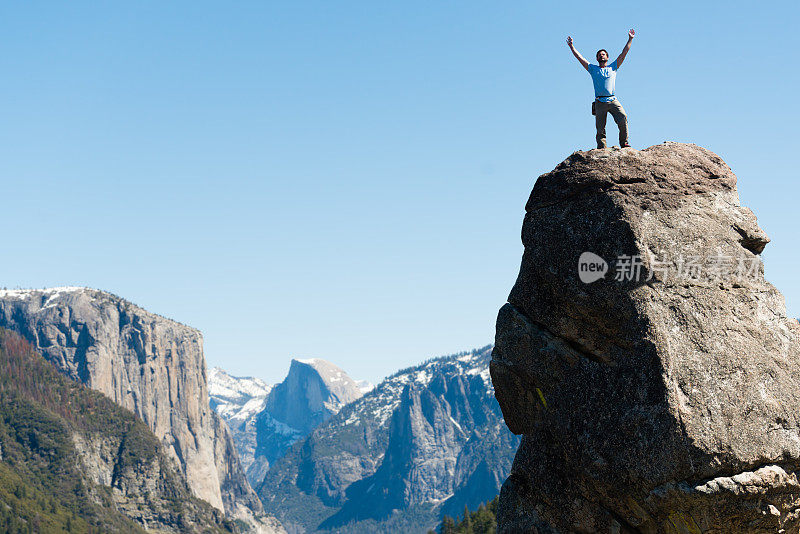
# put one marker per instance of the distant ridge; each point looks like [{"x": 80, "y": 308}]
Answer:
[{"x": 426, "y": 441}]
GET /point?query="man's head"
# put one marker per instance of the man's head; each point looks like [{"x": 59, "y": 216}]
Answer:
[{"x": 602, "y": 57}]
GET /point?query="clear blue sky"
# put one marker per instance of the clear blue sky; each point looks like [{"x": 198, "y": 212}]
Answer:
[{"x": 346, "y": 180}]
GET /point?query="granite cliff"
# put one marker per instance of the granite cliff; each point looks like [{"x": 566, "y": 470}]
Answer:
[
  {"x": 73, "y": 461},
  {"x": 265, "y": 424},
  {"x": 648, "y": 364},
  {"x": 312, "y": 392},
  {"x": 149, "y": 365}
]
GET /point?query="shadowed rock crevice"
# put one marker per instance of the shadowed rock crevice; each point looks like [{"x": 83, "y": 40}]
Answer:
[{"x": 687, "y": 418}]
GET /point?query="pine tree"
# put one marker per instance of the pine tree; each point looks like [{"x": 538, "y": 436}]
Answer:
[{"x": 466, "y": 524}]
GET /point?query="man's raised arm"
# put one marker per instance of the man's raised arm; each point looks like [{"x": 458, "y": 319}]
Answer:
[
  {"x": 625, "y": 50},
  {"x": 577, "y": 54}
]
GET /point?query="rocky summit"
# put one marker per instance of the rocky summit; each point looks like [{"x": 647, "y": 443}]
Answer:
[
  {"x": 648, "y": 364},
  {"x": 312, "y": 392}
]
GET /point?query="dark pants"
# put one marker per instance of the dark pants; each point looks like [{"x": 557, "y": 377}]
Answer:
[{"x": 618, "y": 112}]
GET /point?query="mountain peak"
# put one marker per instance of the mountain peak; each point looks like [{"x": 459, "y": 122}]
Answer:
[
  {"x": 342, "y": 389},
  {"x": 313, "y": 390},
  {"x": 395, "y": 458},
  {"x": 308, "y": 361}
]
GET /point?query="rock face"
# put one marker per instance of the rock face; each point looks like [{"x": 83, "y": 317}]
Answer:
[
  {"x": 663, "y": 402},
  {"x": 426, "y": 441},
  {"x": 239, "y": 400},
  {"x": 312, "y": 392},
  {"x": 265, "y": 420},
  {"x": 148, "y": 364},
  {"x": 75, "y": 461}
]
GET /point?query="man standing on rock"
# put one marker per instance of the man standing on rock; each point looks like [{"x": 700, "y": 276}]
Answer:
[{"x": 604, "y": 76}]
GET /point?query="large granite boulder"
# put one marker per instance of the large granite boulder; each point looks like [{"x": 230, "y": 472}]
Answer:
[{"x": 648, "y": 364}]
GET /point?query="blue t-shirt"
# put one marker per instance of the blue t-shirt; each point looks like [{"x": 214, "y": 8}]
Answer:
[{"x": 603, "y": 79}]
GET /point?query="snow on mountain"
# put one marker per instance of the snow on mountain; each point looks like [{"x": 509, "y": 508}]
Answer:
[
  {"x": 266, "y": 420},
  {"x": 427, "y": 440},
  {"x": 381, "y": 400},
  {"x": 238, "y": 400},
  {"x": 50, "y": 291},
  {"x": 365, "y": 386},
  {"x": 235, "y": 389}
]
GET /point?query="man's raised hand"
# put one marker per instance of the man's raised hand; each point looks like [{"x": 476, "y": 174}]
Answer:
[
  {"x": 624, "y": 53},
  {"x": 577, "y": 54}
]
